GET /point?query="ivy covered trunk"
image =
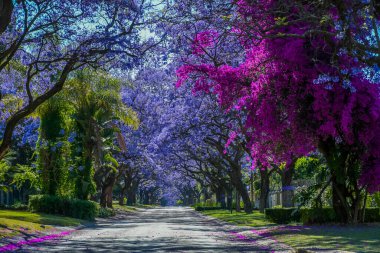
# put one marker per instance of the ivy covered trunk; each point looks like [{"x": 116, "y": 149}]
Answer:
[{"x": 52, "y": 147}]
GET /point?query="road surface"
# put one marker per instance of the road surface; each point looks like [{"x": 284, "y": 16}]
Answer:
[{"x": 169, "y": 229}]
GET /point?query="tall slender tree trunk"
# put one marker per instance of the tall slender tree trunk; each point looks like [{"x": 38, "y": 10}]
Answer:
[
  {"x": 229, "y": 199},
  {"x": 264, "y": 190},
  {"x": 237, "y": 201}
]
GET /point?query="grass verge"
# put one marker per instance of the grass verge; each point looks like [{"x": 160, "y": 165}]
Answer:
[
  {"x": 360, "y": 238},
  {"x": 13, "y": 223},
  {"x": 255, "y": 219}
]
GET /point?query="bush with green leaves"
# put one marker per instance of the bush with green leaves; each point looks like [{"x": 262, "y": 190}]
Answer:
[
  {"x": 318, "y": 215},
  {"x": 19, "y": 206},
  {"x": 328, "y": 215},
  {"x": 207, "y": 205},
  {"x": 76, "y": 208},
  {"x": 205, "y": 208},
  {"x": 105, "y": 212},
  {"x": 282, "y": 215}
]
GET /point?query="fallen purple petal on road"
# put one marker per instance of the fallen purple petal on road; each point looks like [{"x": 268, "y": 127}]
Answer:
[{"x": 14, "y": 246}]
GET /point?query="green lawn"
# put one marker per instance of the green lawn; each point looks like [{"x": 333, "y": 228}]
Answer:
[
  {"x": 360, "y": 238},
  {"x": 255, "y": 219},
  {"x": 134, "y": 208},
  {"x": 17, "y": 222}
]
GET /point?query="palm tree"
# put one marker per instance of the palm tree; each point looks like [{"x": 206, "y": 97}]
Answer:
[{"x": 98, "y": 110}]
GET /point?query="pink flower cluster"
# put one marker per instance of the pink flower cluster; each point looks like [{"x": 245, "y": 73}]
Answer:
[
  {"x": 204, "y": 40},
  {"x": 294, "y": 95}
]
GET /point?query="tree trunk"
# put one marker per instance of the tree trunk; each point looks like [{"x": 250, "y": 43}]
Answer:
[
  {"x": 229, "y": 199},
  {"x": 109, "y": 196},
  {"x": 264, "y": 189},
  {"x": 287, "y": 190},
  {"x": 236, "y": 179},
  {"x": 346, "y": 194},
  {"x": 103, "y": 199},
  {"x": 122, "y": 195},
  {"x": 237, "y": 201},
  {"x": 6, "y": 10},
  {"x": 251, "y": 188},
  {"x": 221, "y": 197}
]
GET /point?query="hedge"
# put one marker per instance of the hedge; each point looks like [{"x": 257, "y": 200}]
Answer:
[
  {"x": 76, "y": 208},
  {"x": 205, "y": 208},
  {"x": 282, "y": 215},
  {"x": 318, "y": 215},
  {"x": 372, "y": 214},
  {"x": 314, "y": 215},
  {"x": 328, "y": 215}
]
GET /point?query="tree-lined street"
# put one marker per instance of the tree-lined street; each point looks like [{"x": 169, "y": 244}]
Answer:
[{"x": 171, "y": 229}]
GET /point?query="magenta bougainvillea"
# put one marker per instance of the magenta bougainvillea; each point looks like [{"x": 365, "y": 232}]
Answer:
[{"x": 300, "y": 88}]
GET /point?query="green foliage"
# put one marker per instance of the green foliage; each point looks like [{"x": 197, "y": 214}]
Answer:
[
  {"x": 376, "y": 197},
  {"x": 81, "y": 209},
  {"x": 282, "y": 215},
  {"x": 26, "y": 175},
  {"x": 52, "y": 147},
  {"x": 19, "y": 206},
  {"x": 314, "y": 171},
  {"x": 105, "y": 212},
  {"x": 207, "y": 205},
  {"x": 328, "y": 215},
  {"x": 372, "y": 214},
  {"x": 97, "y": 103},
  {"x": 241, "y": 205},
  {"x": 309, "y": 167},
  {"x": 204, "y": 208},
  {"x": 318, "y": 215},
  {"x": 19, "y": 175}
]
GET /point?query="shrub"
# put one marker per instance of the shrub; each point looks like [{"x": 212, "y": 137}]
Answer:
[
  {"x": 372, "y": 214},
  {"x": 318, "y": 215},
  {"x": 19, "y": 206},
  {"x": 205, "y": 208},
  {"x": 106, "y": 212},
  {"x": 76, "y": 208},
  {"x": 282, "y": 215},
  {"x": 328, "y": 215},
  {"x": 209, "y": 202}
]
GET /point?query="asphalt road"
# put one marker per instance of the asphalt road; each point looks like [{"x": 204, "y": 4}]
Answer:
[{"x": 170, "y": 229}]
